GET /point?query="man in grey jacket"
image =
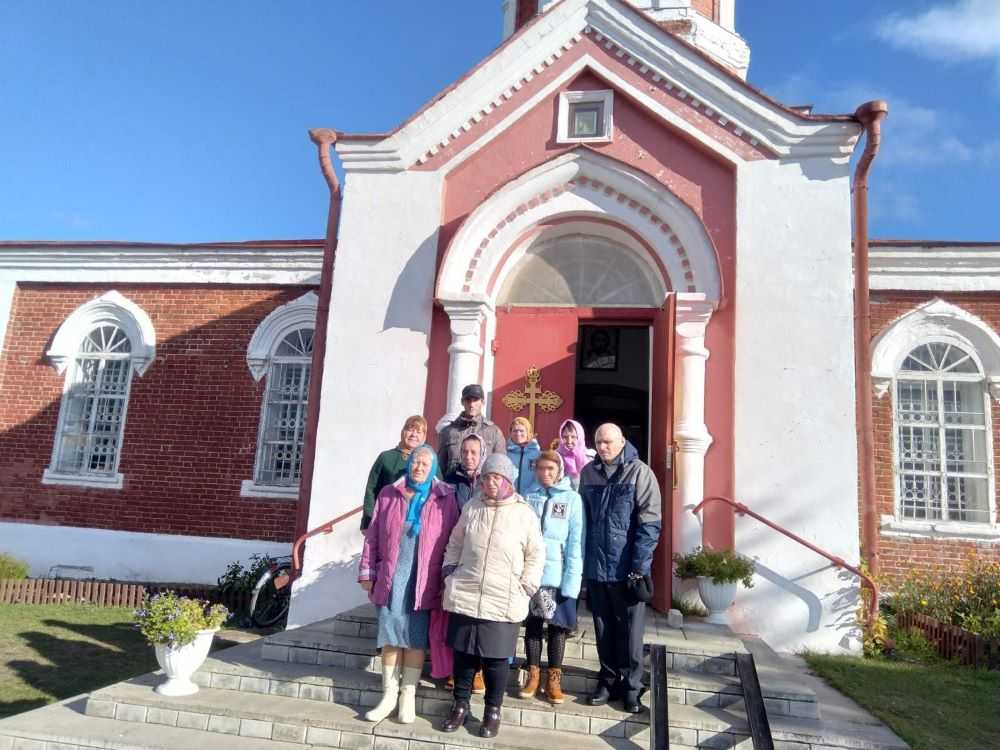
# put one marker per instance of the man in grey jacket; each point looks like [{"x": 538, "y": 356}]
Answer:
[
  {"x": 621, "y": 497},
  {"x": 470, "y": 421}
]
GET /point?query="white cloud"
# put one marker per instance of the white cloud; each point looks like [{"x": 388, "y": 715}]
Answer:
[{"x": 954, "y": 31}]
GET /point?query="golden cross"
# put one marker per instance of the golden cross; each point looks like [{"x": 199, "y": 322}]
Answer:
[{"x": 531, "y": 396}]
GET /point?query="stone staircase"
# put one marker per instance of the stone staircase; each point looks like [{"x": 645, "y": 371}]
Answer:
[{"x": 309, "y": 688}]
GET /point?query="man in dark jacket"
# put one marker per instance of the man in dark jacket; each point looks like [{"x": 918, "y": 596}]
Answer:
[
  {"x": 621, "y": 497},
  {"x": 471, "y": 420},
  {"x": 463, "y": 477}
]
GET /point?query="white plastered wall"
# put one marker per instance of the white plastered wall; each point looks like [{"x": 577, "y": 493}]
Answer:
[
  {"x": 795, "y": 439},
  {"x": 375, "y": 367},
  {"x": 127, "y": 555}
]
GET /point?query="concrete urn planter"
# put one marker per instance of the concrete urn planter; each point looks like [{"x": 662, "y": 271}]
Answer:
[
  {"x": 717, "y": 598},
  {"x": 180, "y": 663}
]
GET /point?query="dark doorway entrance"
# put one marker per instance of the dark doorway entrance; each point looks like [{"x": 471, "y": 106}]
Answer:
[{"x": 612, "y": 381}]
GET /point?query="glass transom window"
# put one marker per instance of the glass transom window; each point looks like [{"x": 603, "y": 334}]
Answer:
[
  {"x": 94, "y": 404},
  {"x": 279, "y": 460},
  {"x": 942, "y": 434},
  {"x": 586, "y": 120}
]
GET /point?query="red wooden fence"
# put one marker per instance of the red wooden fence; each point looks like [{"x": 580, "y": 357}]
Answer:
[
  {"x": 108, "y": 593},
  {"x": 953, "y": 642}
]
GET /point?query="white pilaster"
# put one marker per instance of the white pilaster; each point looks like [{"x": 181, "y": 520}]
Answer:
[
  {"x": 466, "y": 317},
  {"x": 7, "y": 289},
  {"x": 690, "y": 432}
]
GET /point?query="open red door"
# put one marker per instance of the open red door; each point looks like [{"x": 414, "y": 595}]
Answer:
[
  {"x": 661, "y": 446},
  {"x": 543, "y": 339}
]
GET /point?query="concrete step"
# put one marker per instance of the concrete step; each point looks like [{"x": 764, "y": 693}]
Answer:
[
  {"x": 327, "y": 643},
  {"x": 336, "y": 725},
  {"x": 243, "y": 668},
  {"x": 64, "y": 726}
]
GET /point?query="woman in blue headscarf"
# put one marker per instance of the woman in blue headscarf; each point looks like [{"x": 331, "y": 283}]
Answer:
[{"x": 401, "y": 571}]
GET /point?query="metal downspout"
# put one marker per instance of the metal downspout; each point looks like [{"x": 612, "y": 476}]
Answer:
[
  {"x": 870, "y": 115},
  {"x": 324, "y": 140}
]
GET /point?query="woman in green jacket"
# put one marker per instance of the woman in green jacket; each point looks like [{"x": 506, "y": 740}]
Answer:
[{"x": 391, "y": 464}]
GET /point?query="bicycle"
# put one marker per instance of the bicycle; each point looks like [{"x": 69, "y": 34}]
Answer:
[{"x": 272, "y": 594}]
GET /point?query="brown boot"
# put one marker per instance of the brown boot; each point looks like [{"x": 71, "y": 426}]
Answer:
[
  {"x": 553, "y": 686},
  {"x": 478, "y": 684},
  {"x": 534, "y": 682}
]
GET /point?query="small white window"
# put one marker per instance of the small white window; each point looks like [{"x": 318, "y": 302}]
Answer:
[
  {"x": 283, "y": 421},
  {"x": 281, "y": 351},
  {"x": 943, "y": 443},
  {"x": 585, "y": 116},
  {"x": 99, "y": 347}
]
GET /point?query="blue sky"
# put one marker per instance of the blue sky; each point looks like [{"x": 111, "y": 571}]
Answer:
[{"x": 186, "y": 121}]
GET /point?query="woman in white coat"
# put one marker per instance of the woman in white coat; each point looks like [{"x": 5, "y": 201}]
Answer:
[{"x": 493, "y": 566}]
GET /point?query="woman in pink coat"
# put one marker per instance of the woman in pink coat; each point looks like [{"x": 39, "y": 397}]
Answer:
[{"x": 401, "y": 571}]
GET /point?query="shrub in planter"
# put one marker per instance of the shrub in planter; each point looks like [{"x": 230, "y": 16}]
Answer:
[
  {"x": 181, "y": 631},
  {"x": 718, "y": 573},
  {"x": 12, "y": 568}
]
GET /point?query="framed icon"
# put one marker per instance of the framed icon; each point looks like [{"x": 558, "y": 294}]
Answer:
[{"x": 599, "y": 348}]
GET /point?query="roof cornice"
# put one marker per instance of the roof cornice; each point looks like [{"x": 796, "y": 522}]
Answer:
[
  {"x": 217, "y": 263},
  {"x": 788, "y": 133}
]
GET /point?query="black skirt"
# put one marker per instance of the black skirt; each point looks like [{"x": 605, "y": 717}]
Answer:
[{"x": 484, "y": 638}]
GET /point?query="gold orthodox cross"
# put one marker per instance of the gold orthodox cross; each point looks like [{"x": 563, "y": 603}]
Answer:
[{"x": 532, "y": 396}]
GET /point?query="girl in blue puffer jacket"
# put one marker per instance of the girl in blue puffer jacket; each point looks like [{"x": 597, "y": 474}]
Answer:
[{"x": 561, "y": 512}]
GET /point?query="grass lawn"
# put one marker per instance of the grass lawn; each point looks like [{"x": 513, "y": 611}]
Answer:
[
  {"x": 53, "y": 651},
  {"x": 933, "y": 706}
]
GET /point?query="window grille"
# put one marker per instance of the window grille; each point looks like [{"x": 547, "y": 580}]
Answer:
[
  {"x": 94, "y": 404},
  {"x": 286, "y": 399},
  {"x": 942, "y": 436},
  {"x": 580, "y": 269}
]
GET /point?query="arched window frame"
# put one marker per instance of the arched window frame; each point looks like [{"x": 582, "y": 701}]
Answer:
[
  {"x": 65, "y": 355},
  {"x": 261, "y": 359},
  {"x": 940, "y": 322}
]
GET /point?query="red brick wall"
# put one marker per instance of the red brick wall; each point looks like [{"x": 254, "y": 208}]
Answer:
[
  {"x": 708, "y": 8},
  {"x": 191, "y": 431},
  {"x": 903, "y": 554}
]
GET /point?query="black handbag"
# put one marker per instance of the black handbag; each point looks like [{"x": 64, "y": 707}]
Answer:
[{"x": 640, "y": 588}]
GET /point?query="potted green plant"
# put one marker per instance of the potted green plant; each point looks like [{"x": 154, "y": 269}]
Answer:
[
  {"x": 181, "y": 631},
  {"x": 718, "y": 574}
]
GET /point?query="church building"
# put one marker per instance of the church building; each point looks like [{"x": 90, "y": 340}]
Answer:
[{"x": 603, "y": 220}]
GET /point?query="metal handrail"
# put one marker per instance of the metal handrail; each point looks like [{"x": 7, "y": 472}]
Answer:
[
  {"x": 326, "y": 528},
  {"x": 742, "y": 510}
]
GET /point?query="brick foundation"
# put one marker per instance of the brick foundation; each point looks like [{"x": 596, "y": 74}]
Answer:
[
  {"x": 191, "y": 432},
  {"x": 901, "y": 555}
]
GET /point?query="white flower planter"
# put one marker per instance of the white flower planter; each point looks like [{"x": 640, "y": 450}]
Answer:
[
  {"x": 180, "y": 664},
  {"x": 717, "y": 598}
]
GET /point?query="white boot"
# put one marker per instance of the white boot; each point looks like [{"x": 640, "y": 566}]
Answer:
[
  {"x": 408, "y": 695},
  {"x": 390, "y": 694}
]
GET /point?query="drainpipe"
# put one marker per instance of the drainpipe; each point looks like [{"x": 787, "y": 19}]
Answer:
[
  {"x": 870, "y": 115},
  {"x": 324, "y": 140}
]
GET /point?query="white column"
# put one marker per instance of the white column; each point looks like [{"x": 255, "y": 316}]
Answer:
[
  {"x": 466, "y": 352},
  {"x": 690, "y": 432}
]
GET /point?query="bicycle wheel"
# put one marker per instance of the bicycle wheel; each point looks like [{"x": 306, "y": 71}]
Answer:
[{"x": 270, "y": 603}]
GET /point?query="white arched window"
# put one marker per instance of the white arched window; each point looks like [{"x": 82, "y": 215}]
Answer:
[
  {"x": 98, "y": 347},
  {"x": 281, "y": 350},
  {"x": 943, "y": 444},
  {"x": 942, "y": 366}
]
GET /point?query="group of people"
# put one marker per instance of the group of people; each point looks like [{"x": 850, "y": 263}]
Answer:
[{"x": 466, "y": 544}]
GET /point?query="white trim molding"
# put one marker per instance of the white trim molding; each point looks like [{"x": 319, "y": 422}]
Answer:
[
  {"x": 110, "y": 307},
  {"x": 934, "y": 267},
  {"x": 110, "y": 482},
  {"x": 936, "y": 320},
  {"x": 299, "y": 313},
  {"x": 944, "y": 530},
  {"x": 606, "y": 123},
  {"x": 250, "y": 488},
  {"x": 579, "y": 185}
]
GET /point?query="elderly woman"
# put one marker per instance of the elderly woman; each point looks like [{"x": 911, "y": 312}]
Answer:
[
  {"x": 391, "y": 464},
  {"x": 493, "y": 565},
  {"x": 401, "y": 571},
  {"x": 573, "y": 449},
  {"x": 561, "y": 512},
  {"x": 522, "y": 450}
]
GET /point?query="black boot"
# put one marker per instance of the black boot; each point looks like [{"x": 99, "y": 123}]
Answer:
[
  {"x": 603, "y": 694},
  {"x": 491, "y": 722},
  {"x": 459, "y": 715},
  {"x": 633, "y": 701}
]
